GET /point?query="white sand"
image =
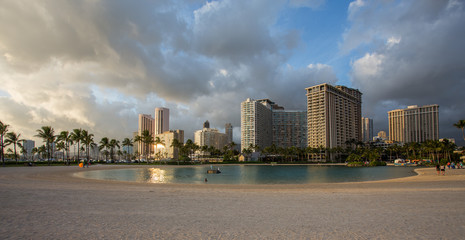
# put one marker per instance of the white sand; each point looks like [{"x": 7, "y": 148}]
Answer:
[{"x": 49, "y": 203}]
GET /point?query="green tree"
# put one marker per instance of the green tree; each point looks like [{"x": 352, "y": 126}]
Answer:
[
  {"x": 61, "y": 146},
  {"x": 3, "y": 131},
  {"x": 13, "y": 138},
  {"x": 113, "y": 144},
  {"x": 76, "y": 137},
  {"x": 461, "y": 125},
  {"x": 147, "y": 140},
  {"x": 88, "y": 142},
  {"x": 66, "y": 138},
  {"x": 47, "y": 133},
  {"x": 138, "y": 140},
  {"x": 105, "y": 145},
  {"x": 127, "y": 142}
]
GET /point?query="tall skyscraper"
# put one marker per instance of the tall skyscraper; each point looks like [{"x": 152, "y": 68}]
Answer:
[
  {"x": 414, "y": 124},
  {"x": 334, "y": 115},
  {"x": 228, "y": 129},
  {"x": 289, "y": 128},
  {"x": 256, "y": 123},
  {"x": 146, "y": 123},
  {"x": 264, "y": 123},
  {"x": 162, "y": 120},
  {"x": 28, "y": 146},
  {"x": 367, "y": 129}
]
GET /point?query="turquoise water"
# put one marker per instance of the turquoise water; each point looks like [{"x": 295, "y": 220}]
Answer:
[{"x": 252, "y": 174}]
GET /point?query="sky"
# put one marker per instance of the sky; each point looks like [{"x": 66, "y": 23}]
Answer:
[{"x": 97, "y": 64}]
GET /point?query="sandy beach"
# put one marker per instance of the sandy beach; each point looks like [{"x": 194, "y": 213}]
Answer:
[{"x": 50, "y": 203}]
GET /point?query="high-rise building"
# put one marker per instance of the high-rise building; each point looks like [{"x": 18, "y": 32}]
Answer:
[
  {"x": 264, "y": 123},
  {"x": 210, "y": 137},
  {"x": 367, "y": 129},
  {"x": 256, "y": 123},
  {"x": 334, "y": 115},
  {"x": 414, "y": 124},
  {"x": 166, "y": 149},
  {"x": 146, "y": 123},
  {"x": 28, "y": 146},
  {"x": 289, "y": 128},
  {"x": 206, "y": 124},
  {"x": 228, "y": 129},
  {"x": 162, "y": 120}
]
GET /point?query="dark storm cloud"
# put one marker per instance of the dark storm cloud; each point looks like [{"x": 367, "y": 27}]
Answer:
[
  {"x": 97, "y": 64},
  {"x": 415, "y": 57}
]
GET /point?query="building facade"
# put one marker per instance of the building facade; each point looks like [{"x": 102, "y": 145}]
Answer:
[
  {"x": 166, "y": 150},
  {"x": 228, "y": 129},
  {"x": 367, "y": 129},
  {"x": 146, "y": 123},
  {"x": 414, "y": 124},
  {"x": 256, "y": 123},
  {"x": 161, "y": 121},
  {"x": 334, "y": 115},
  {"x": 210, "y": 137},
  {"x": 289, "y": 128}
]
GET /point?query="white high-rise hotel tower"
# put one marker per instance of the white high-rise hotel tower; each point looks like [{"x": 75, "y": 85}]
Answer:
[{"x": 334, "y": 115}]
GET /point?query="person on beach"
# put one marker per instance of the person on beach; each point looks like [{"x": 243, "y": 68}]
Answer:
[
  {"x": 206, "y": 180},
  {"x": 438, "y": 169},
  {"x": 443, "y": 170}
]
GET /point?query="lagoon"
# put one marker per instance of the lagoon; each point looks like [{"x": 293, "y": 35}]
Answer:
[{"x": 251, "y": 174}]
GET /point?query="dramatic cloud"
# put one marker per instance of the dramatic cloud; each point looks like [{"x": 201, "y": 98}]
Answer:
[
  {"x": 414, "y": 57},
  {"x": 97, "y": 64}
]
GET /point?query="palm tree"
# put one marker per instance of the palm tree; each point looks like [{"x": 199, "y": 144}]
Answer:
[
  {"x": 42, "y": 151},
  {"x": 66, "y": 138},
  {"x": 127, "y": 142},
  {"x": 104, "y": 144},
  {"x": 13, "y": 138},
  {"x": 33, "y": 152},
  {"x": 76, "y": 137},
  {"x": 461, "y": 124},
  {"x": 47, "y": 133},
  {"x": 3, "y": 131},
  {"x": 156, "y": 142},
  {"x": 61, "y": 146},
  {"x": 138, "y": 139},
  {"x": 88, "y": 142},
  {"x": 147, "y": 140},
  {"x": 113, "y": 144}
]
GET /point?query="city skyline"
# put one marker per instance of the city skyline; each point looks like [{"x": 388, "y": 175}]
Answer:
[{"x": 97, "y": 65}]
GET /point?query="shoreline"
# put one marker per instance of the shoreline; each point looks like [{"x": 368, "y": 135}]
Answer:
[{"x": 49, "y": 203}]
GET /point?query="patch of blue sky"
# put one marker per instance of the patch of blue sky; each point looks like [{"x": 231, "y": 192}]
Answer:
[
  {"x": 105, "y": 96},
  {"x": 4, "y": 94},
  {"x": 321, "y": 32}
]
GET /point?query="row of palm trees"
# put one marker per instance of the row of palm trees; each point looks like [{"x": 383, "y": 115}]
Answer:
[{"x": 63, "y": 141}]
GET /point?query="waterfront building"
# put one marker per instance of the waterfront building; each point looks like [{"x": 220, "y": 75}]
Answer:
[
  {"x": 161, "y": 121},
  {"x": 334, "y": 115},
  {"x": 210, "y": 137},
  {"x": 28, "y": 146},
  {"x": 228, "y": 129},
  {"x": 289, "y": 128},
  {"x": 166, "y": 150},
  {"x": 414, "y": 124},
  {"x": 256, "y": 123},
  {"x": 146, "y": 123},
  {"x": 367, "y": 129},
  {"x": 264, "y": 123}
]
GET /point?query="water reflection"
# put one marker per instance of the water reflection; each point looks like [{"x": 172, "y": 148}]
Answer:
[{"x": 251, "y": 174}]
